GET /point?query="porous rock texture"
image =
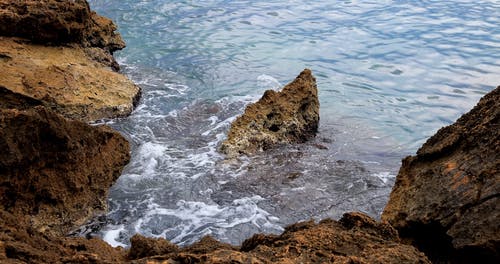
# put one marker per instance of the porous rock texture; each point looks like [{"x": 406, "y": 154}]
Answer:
[
  {"x": 54, "y": 176},
  {"x": 288, "y": 116},
  {"x": 356, "y": 238},
  {"x": 446, "y": 198},
  {"x": 55, "y": 170},
  {"x": 60, "y": 52},
  {"x": 58, "y": 22}
]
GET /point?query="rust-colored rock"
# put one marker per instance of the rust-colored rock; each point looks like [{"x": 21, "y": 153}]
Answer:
[
  {"x": 446, "y": 198},
  {"x": 54, "y": 170},
  {"x": 288, "y": 116},
  {"x": 356, "y": 238}
]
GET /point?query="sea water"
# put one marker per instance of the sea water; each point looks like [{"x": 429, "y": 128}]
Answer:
[{"x": 389, "y": 74}]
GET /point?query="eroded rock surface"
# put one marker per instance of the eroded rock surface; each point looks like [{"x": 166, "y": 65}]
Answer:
[
  {"x": 58, "y": 22},
  {"x": 60, "y": 52},
  {"x": 54, "y": 175},
  {"x": 288, "y": 116},
  {"x": 66, "y": 80},
  {"x": 54, "y": 170},
  {"x": 356, "y": 238},
  {"x": 446, "y": 198}
]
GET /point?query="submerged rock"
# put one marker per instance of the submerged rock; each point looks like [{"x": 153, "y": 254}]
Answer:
[
  {"x": 446, "y": 198},
  {"x": 288, "y": 116},
  {"x": 60, "y": 53}
]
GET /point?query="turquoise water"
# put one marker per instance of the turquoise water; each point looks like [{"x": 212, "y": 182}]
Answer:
[{"x": 389, "y": 74}]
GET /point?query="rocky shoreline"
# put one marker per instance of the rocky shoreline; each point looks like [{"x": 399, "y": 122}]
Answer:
[{"x": 55, "y": 171}]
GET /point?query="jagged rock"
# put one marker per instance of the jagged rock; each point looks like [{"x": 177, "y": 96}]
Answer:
[
  {"x": 54, "y": 170},
  {"x": 66, "y": 80},
  {"x": 356, "y": 238},
  {"x": 141, "y": 247},
  {"x": 19, "y": 243},
  {"x": 288, "y": 116},
  {"x": 446, "y": 198},
  {"x": 60, "y": 53},
  {"x": 58, "y": 22}
]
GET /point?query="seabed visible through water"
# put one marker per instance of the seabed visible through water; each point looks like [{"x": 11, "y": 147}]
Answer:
[{"x": 389, "y": 74}]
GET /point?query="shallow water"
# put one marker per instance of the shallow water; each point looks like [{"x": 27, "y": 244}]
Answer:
[{"x": 389, "y": 73}]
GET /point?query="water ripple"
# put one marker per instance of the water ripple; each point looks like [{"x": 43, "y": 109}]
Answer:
[{"x": 390, "y": 73}]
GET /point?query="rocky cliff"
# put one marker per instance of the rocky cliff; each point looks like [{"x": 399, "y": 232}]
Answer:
[
  {"x": 54, "y": 176},
  {"x": 446, "y": 198},
  {"x": 56, "y": 57},
  {"x": 60, "y": 53},
  {"x": 288, "y": 116}
]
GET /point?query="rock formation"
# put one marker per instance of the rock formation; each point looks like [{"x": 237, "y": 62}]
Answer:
[
  {"x": 446, "y": 198},
  {"x": 55, "y": 170},
  {"x": 356, "y": 238},
  {"x": 54, "y": 175},
  {"x": 288, "y": 116},
  {"x": 58, "y": 22},
  {"x": 60, "y": 53}
]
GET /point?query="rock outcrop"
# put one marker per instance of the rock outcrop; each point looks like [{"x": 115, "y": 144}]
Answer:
[
  {"x": 356, "y": 238},
  {"x": 60, "y": 53},
  {"x": 54, "y": 175},
  {"x": 54, "y": 170},
  {"x": 58, "y": 22},
  {"x": 446, "y": 198},
  {"x": 288, "y": 116}
]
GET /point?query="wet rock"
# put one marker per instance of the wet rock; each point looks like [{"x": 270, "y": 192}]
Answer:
[
  {"x": 356, "y": 238},
  {"x": 446, "y": 198},
  {"x": 56, "y": 171},
  {"x": 288, "y": 116}
]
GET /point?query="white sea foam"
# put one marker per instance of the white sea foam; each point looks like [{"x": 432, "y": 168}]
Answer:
[
  {"x": 384, "y": 176},
  {"x": 149, "y": 157},
  {"x": 202, "y": 218},
  {"x": 112, "y": 234},
  {"x": 268, "y": 82}
]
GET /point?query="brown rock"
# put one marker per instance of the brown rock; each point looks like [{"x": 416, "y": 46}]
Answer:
[
  {"x": 60, "y": 53},
  {"x": 57, "y": 22},
  {"x": 356, "y": 238},
  {"x": 288, "y": 116},
  {"x": 21, "y": 244},
  {"x": 55, "y": 171},
  {"x": 446, "y": 198},
  {"x": 143, "y": 246},
  {"x": 54, "y": 175},
  {"x": 66, "y": 80}
]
